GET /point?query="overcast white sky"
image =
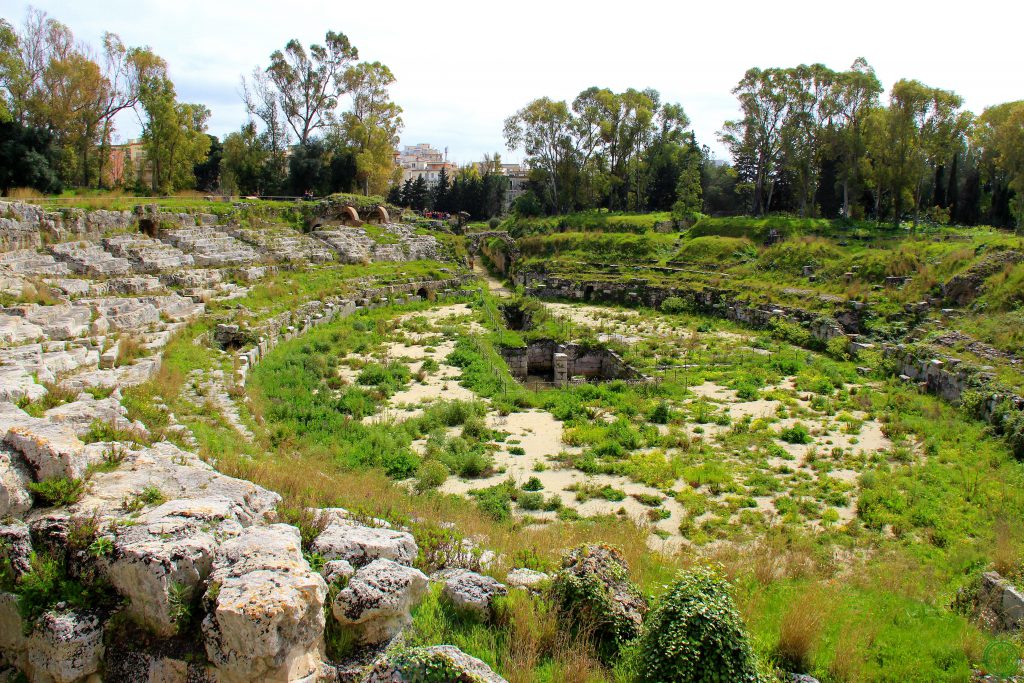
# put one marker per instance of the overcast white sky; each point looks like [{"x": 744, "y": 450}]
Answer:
[{"x": 462, "y": 67}]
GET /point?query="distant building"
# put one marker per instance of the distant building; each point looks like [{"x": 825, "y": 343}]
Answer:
[
  {"x": 518, "y": 176},
  {"x": 130, "y": 154},
  {"x": 424, "y": 161}
]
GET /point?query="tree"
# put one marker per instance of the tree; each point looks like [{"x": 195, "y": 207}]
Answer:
[
  {"x": 10, "y": 67},
  {"x": 124, "y": 71},
  {"x": 689, "y": 193},
  {"x": 1000, "y": 136},
  {"x": 263, "y": 102},
  {"x": 757, "y": 137},
  {"x": 173, "y": 136},
  {"x": 921, "y": 128},
  {"x": 244, "y": 160},
  {"x": 855, "y": 93},
  {"x": 310, "y": 84},
  {"x": 543, "y": 128},
  {"x": 441, "y": 192},
  {"x": 809, "y": 110},
  {"x": 719, "y": 188},
  {"x": 28, "y": 158},
  {"x": 208, "y": 171},
  {"x": 54, "y": 83},
  {"x": 372, "y": 125},
  {"x": 419, "y": 194}
]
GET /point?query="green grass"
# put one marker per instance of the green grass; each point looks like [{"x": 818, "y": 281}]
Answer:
[{"x": 925, "y": 512}]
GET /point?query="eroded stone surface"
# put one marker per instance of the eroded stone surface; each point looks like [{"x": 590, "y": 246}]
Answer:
[
  {"x": 65, "y": 647},
  {"x": 439, "y": 662},
  {"x": 378, "y": 600},
  {"x": 472, "y": 592},
  {"x": 51, "y": 450},
  {"x": 176, "y": 473},
  {"x": 16, "y": 547},
  {"x": 527, "y": 579},
  {"x": 266, "y": 616},
  {"x": 170, "y": 548},
  {"x": 360, "y": 545}
]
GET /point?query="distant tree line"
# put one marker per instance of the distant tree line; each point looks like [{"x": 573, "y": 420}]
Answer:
[
  {"x": 619, "y": 151},
  {"x": 819, "y": 142},
  {"x": 480, "y": 191},
  {"x": 59, "y": 102},
  {"x": 296, "y": 100},
  {"x": 810, "y": 141}
]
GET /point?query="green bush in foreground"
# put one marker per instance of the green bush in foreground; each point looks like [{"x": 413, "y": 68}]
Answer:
[
  {"x": 695, "y": 634},
  {"x": 59, "y": 491}
]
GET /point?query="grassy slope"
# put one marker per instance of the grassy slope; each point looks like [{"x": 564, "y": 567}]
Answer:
[{"x": 904, "y": 588}]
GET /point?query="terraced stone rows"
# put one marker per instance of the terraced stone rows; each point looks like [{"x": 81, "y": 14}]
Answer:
[
  {"x": 210, "y": 247},
  {"x": 31, "y": 262},
  {"x": 284, "y": 244},
  {"x": 88, "y": 258},
  {"x": 147, "y": 254}
]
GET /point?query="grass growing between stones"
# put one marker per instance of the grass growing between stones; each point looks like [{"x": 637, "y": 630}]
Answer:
[{"x": 879, "y": 537}]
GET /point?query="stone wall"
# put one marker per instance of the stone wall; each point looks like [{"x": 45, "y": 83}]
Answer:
[
  {"x": 565, "y": 361},
  {"x": 26, "y": 226},
  {"x": 291, "y": 324},
  {"x": 938, "y": 374},
  {"x": 847, "y": 318}
]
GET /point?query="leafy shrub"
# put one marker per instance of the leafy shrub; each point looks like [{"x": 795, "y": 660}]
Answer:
[
  {"x": 453, "y": 413},
  {"x": 747, "y": 391},
  {"x": 495, "y": 501},
  {"x": 674, "y": 304},
  {"x": 389, "y": 378},
  {"x": 533, "y": 484},
  {"x": 661, "y": 414},
  {"x": 695, "y": 634},
  {"x": 58, "y": 491},
  {"x": 462, "y": 456},
  {"x": 796, "y": 434},
  {"x": 530, "y": 500},
  {"x": 475, "y": 428},
  {"x": 838, "y": 348},
  {"x": 430, "y": 475}
]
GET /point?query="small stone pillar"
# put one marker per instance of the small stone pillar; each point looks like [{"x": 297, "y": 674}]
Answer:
[{"x": 561, "y": 364}]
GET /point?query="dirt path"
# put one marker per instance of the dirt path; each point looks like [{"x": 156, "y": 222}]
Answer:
[{"x": 493, "y": 284}]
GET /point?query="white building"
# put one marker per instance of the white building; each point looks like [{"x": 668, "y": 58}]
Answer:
[{"x": 423, "y": 160}]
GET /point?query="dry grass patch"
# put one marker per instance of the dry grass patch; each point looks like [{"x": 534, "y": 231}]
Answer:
[
  {"x": 129, "y": 348},
  {"x": 800, "y": 628}
]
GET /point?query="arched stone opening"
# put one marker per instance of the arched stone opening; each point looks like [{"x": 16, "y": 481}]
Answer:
[
  {"x": 379, "y": 215},
  {"x": 349, "y": 216}
]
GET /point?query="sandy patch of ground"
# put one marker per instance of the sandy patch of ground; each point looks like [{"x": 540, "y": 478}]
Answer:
[
  {"x": 713, "y": 391},
  {"x": 755, "y": 409}
]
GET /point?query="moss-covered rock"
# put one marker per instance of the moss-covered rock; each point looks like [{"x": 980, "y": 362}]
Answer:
[{"x": 594, "y": 594}]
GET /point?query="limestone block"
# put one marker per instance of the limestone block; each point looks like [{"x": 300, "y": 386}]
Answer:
[
  {"x": 361, "y": 545},
  {"x": 472, "y": 592},
  {"x": 266, "y": 616},
  {"x": 51, "y": 450},
  {"x": 170, "y": 548},
  {"x": 65, "y": 647},
  {"x": 378, "y": 600}
]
